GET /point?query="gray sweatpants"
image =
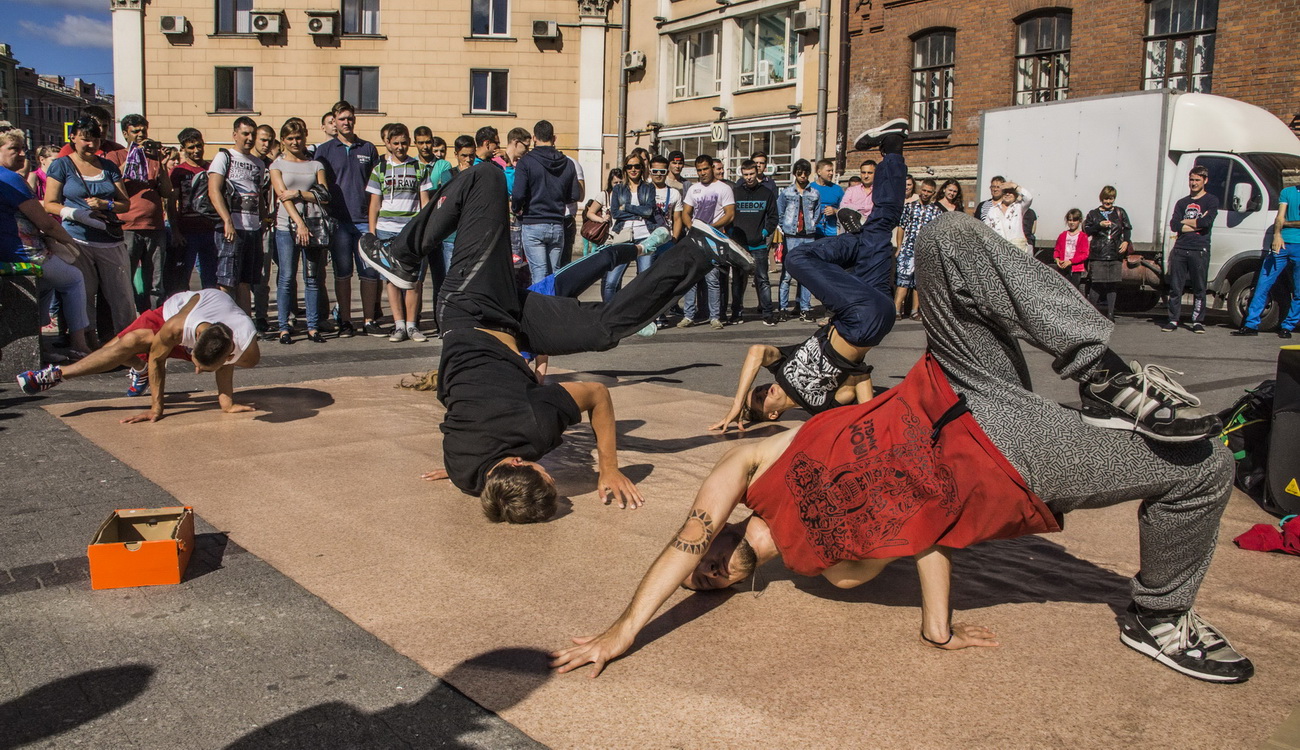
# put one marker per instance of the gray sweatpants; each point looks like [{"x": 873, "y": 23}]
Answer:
[{"x": 979, "y": 296}]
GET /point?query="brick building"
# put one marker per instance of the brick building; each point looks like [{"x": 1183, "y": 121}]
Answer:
[
  {"x": 45, "y": 103},
  {"x": 941, "y": 63}
]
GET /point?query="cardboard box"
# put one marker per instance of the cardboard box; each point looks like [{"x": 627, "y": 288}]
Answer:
[{"x": 141, "y": 547}]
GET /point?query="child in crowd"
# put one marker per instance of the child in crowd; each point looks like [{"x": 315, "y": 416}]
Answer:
[
  {"x": 399, "y": 187},
  {"x": 45, "y": 156},
  {"x": 1071, "y": 252}
]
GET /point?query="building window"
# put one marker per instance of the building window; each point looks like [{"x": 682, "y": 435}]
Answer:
[
  {"x": 779, "y": 143},
  {"x": 690, "y": 145},
  {"x": 489, "y": 17},
  {"x": 1043, "y": 58},
  {"x": 360, "y": 87},
  {"x": 699, "y": 66},
  {"x": 489, "y": 91},
  {"x": 1180, "y": 44},
  {"x": 234, "y": 90},
  {"x": 769, "y": 50},
  {"x": 932, "y": 68},
  {"x": 361, "y": 17},
  {"x": 27, "y": 107},
  {"x": 234, "y": 16}
]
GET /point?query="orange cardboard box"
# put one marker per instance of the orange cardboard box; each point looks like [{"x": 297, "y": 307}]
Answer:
[{"x": 141, "y": 547}]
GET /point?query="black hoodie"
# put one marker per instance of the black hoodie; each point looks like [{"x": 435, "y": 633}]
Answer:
[{"x": 545, "y": 180}]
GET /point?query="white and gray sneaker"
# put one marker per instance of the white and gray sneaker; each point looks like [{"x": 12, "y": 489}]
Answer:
[
  {"x": 725, "y": 250},
  {"x": 1148, "y": 401},
  {"x": 873, "y": 137},
  {"x": 1186, "y": 643},
  {"x": 415, "y": 334},
  {"x": 398, "y": 335}
]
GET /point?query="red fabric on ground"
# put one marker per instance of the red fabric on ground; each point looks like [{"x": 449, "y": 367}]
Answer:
[{"x": 1267, "y": 537}]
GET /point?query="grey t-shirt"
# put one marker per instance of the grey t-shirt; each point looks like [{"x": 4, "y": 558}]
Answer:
[{"x": 297, "y": 175}]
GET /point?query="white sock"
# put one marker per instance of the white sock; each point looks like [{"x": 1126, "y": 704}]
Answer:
[
  {"x": 399, "y": 325},
  {"x": 412, "y": 328}
]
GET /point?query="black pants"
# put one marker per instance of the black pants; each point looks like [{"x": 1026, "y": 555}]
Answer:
[
  {"x": 480, "y": 290},
  {"x": 577, "y": 277},
  {"x": 1188, "y": 267}
]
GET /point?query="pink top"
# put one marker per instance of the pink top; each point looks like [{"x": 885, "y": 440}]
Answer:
[
  {"x": 40, "y": 184},
  {"x": 1079, "y": 256},
  {"x": 859, "y": 199}
]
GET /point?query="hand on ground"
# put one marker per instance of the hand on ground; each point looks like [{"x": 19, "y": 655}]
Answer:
[
  {"x": 148, "y": 416},
  {"x": 965, "y": 635},
  {"x": 596, "y": 650},
  {"x": 612, "y": 485},
  {"x": 435, "y": 475},
  {"x": 725, "y": 424}
]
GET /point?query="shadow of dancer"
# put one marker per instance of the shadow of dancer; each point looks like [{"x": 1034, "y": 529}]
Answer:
[
  {"x": 275, "y": 405},
  {"x": 67, "y": 703},
  {"x": 444, "y": 717}
]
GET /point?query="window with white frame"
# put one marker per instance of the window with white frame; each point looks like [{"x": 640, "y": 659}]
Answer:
[
  {"x": 361, "y": 17},
  {"x": 489, "y": 17},
  {"x": 234, "y": 90},
  {"x": 1043, "y": 57},
  {"x": 1180, "y": 44},
  {"x": 933, "y": 55},
  {"x": 360, "y": 87},
  {"x": 699, "y": 65},
  {"x": 769, "y": 50},
  {"x": 489, "y": 91},
  {"x": 234, "y": 16},
  {"x": 778, "y": 143}
]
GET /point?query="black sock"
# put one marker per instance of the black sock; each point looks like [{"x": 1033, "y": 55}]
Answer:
[
  {"x": 1108, "y": 366},
  {"x": 891, "y": 143}
]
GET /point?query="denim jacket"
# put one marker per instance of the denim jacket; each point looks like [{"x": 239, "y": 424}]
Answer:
[
  {"x": 788, "y": 205},
  {"x": 621, "y": 208}
]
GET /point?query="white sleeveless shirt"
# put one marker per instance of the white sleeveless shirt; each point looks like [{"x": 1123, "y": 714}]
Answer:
[{"x": 214, "y": 306}]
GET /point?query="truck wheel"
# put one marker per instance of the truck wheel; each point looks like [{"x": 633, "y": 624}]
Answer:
[{"x": 1239, "y": 295}]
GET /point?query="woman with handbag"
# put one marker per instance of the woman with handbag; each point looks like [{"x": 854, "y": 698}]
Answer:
[
  {"x": 87, "y": 192},
  {"x": 30, "y": 235},
  {"x": 302, "y": 229}
]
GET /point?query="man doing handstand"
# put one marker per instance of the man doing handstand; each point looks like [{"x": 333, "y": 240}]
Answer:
[
  {"x": 963, "y": 451},
  {"x": 499, "y": 419},
  {"x": 204, "y": 327}
]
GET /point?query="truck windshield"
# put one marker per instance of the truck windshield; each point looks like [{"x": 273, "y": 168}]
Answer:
[{"x": 1272, "y": 168}]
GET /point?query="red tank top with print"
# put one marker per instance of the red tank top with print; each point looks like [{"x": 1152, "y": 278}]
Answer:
[{"x": 908, "y": 470}]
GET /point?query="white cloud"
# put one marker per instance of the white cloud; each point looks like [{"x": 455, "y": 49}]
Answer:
[
  {"x": 73, "y": 31},
  {"x": 101, "y": 5}
]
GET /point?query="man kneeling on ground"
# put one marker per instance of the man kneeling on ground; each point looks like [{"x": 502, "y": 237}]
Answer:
[{"x": 204, "y": 327}]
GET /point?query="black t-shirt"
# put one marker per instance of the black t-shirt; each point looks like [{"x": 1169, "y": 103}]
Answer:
[
  {"x": 811, "y": 372},
  {"x": 1204, "y": 210},
  {"x": 495, "y": 408}
]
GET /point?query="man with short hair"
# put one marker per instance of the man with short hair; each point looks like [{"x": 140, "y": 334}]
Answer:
[
  {"x": 711, "y": 202},
  {"x": 1189, "y": 261},
  {"x": 961, "y": 452},
  {"x": 192, "y": 232},
  {"x": 499, "y": 419},
  {"x": 348, "y": 160},
  {"x": 760, "y": 162},
  {"x": 995, "y": 196},
  {"x": 426, "y": 149},
  {"x": 239, "y": 238},
  {"x": 203, "y": 327},
  {"x": 518, "y": 141},
  {"x": 831, "y": 195},
  {"x": 857, "y": 198},
  {"x": 797, "y": 207},
  {"x": 486, "y": 143},
  {"x": 265, "y": 146},
  {"x": 328, "y": 127},
  {"x": 754, "y": 225},
  {"x": 545, "y": 180},
  {"x": 144, "y": 224},
  {"x": 676, "y": 162}
]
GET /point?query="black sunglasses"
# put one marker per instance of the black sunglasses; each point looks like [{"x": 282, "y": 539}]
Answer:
[{"x": 632, "y": 166}]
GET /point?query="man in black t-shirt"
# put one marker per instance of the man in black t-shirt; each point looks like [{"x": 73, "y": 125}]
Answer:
[
  {"x": 499, "y": 419},
  {"x": 1189, "y": 261}
]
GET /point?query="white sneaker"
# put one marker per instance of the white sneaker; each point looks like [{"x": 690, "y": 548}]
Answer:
[
  {"x": 399, "y": 335},
  {"x": 415, "y": 335}
]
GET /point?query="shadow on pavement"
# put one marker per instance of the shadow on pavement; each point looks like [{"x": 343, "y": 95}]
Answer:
[
  {"x": 275, "y": 405},
  {"x": 67, "y": 703},
  {"x": 443, "y": 717}
]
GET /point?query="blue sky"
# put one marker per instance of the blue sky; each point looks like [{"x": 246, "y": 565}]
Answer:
[{"x": 72, "y": 38}]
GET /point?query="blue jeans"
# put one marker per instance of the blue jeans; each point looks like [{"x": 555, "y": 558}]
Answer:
[
  {"x": 851, "y": 274},
  {"x": 1286, "y": 261},
  {"x": 614, "y": 279},
  {"x": 804, "y": 302},
  {"x": 543, "y": 244},
  {"x": 713, "y": 284},
  {"x": 345, "y": 251},
  {"x": 67, "y": 280},
  {"x": 287, "y": 254},
  {"x": 201, "y": 250}
]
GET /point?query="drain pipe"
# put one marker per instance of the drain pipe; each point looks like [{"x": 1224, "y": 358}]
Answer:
[
  {"x": 622, "y": 79},
  {"x": 842, "y": 105},
  {"x": 823, "y": 75}
]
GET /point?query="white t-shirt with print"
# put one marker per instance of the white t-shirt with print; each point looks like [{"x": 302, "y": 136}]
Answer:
[
  {"x": 707, "y": 201},
  {"x": 214, "y": 306},
  {"x": 247, "y": 175}
]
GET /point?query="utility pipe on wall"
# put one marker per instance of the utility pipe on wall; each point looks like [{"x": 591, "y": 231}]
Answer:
[
  {"x": 823, "y": 75},
  {"x": 622, "y": 80},
  {"x": 842, "y": 105}
]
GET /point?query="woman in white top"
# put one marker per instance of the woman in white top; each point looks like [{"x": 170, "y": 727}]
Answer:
[
  {"x": 299, "y": 228},
  {"x": 1007, "y": 216}
]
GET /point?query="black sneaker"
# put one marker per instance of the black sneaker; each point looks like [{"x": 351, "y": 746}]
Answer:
[
  {"x": 872, "y": 138},
  {"x": 371, "y": 328},
  {"x": 1186, "y": 643},
  {"x": 346, "y": 330},
  {"x": 377, "y": 254},
  {"x": 769, "y": 321},
  {"x": 1149, "y": 401},
  {"x": 1169, "y": 327},
  {"x": 850, "y": 220},
  {"x": 1196, "y": 328},
  {"x": 1244, "y": 331},
  {"x": 724, "y": 249},
  {"x": 1283, "y": 333}
]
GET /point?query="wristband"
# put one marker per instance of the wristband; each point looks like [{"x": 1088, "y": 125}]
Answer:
[
  {"x": 66, "y": 213},
  {"x": 937, "y": 643},
  {"x": 110, "y": 205}
]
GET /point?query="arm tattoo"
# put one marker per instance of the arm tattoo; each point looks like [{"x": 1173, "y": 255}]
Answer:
[{"x": 696, "y": 533}]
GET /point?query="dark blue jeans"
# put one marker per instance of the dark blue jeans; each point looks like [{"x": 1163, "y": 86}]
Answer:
[
  {"x": 288, "y": 254},
  {"x": 200, "y": 250},
  {"x": 852, "y": 273}
]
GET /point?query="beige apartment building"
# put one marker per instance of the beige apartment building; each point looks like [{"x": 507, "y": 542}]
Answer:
[{"x": 727, "y": 78}]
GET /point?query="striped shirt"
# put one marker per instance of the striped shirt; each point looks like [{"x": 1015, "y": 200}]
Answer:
[{"x": 399, "y": 186}]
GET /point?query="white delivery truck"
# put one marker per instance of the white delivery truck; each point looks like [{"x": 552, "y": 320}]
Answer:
[{"x": 1145, "y": 143}]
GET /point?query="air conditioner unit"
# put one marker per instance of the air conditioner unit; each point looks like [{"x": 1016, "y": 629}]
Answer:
[
  {"x": 633, "y": 60},
  {"x": 805, "y": 20},
  {"x": 173, "y": 25},
  {"x": 763, "y": 75},
  {"x": 546, "y": 30},
  {"x": 264, "y": 22},
  {"x": 321, "y": 22}
]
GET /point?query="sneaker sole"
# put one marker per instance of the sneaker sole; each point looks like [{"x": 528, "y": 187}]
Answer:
[
  {"x": 397, "y": 281},
  {"x": 1126, "y": 425},
  {"x": 1154, "y": 653},
  {"x": 871, "y": 138},
  {"x": 732, "y": 253}
]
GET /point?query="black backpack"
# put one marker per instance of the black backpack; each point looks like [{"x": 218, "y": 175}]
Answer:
[
  {"x": 201, "y": 201},
  {"x": 1246, "y": 428}
]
